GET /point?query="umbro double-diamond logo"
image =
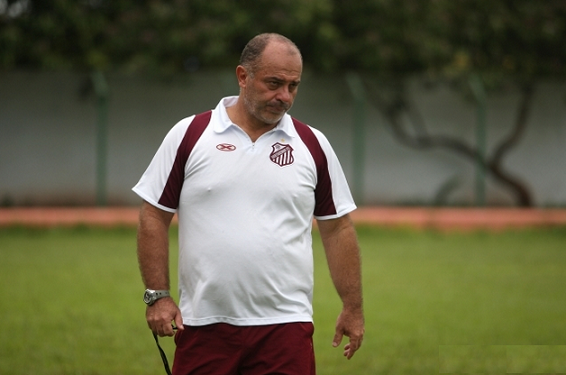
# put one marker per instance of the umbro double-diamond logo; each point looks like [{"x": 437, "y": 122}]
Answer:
[{"x": 225, "y": 147}]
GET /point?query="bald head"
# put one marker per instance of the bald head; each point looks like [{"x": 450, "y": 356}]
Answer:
[{"x": 252, "y": 53}]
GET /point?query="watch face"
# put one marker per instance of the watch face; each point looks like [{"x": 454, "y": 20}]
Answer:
[{"x": 147, "y": 297}]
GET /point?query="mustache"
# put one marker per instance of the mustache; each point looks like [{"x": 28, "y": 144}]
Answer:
[{"x": 279, "y": 105}]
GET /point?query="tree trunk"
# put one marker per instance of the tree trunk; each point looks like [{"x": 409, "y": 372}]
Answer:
[{"x": 394, "y": 110}]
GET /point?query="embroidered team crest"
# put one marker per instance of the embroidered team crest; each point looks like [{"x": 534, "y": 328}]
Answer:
[{"x": 282, "y": 155}]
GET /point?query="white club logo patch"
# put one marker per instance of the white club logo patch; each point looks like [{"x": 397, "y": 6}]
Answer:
[{"x": 282, "y": 155}]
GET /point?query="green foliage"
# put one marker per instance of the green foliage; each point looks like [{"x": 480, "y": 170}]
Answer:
[
  {"x": 521, "y": 38},
  {"x": 434, "y": 302},
  {"x": 157, "y": 35},
  {"x": 517, "y": 38}
]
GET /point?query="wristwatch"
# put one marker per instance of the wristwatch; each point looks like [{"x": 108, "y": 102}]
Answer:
[{"x": 150, "y": 295}]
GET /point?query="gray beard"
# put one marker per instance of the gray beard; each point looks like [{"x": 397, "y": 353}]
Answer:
[{"x": 251, "y": 109}]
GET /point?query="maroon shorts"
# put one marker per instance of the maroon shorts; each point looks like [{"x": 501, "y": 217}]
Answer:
[{"x": 223, "y": 349}]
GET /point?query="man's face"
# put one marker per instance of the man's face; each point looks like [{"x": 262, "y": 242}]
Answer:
[{"x": 269, "y": 93}]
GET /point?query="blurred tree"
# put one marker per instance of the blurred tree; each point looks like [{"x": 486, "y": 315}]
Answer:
[
  {"x": 159, "y": 36},
  {"x": 498, "y": 44},
  {"x": 503, "y": 43}
]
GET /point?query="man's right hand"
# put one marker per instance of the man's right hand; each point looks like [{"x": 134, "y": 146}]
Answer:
[{"x": 162, "y": 315}]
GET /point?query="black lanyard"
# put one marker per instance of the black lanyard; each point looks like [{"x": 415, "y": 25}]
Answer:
[{"x": 163, "y": 356}]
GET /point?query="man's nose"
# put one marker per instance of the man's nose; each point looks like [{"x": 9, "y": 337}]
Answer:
[{"x": 285, "y": 94}]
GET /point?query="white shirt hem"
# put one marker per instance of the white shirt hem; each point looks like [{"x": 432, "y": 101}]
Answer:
[{"x": 247, "y": 321}]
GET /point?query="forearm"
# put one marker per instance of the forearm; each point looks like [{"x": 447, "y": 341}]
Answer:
[
  {"x": 343, "y": 256},
  {"x": 153, "y": 247}
]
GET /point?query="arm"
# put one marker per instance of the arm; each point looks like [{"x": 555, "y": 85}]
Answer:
[
  {"x": 343, "y": 256},
  {"x": 153, "y": 258}
]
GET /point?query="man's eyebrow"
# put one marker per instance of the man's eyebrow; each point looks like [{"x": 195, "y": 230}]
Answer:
[{"x": 278, "y": 79}]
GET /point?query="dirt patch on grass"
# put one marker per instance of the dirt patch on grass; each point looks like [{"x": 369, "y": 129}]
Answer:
[{"x": 415, "y": 217}]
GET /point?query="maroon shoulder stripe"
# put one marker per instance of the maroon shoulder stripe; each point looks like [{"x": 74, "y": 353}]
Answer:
[
  {"x": 324, "y": 204},
  {"x": 172, "y": 191}
]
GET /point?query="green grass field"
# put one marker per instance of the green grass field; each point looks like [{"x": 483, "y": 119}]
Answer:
[{"x": 435, "y": 303}]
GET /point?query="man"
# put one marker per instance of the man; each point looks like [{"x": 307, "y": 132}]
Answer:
[{"x": 246, "y": 180}]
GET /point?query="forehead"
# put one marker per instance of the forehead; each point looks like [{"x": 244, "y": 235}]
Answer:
[{"x": 280, "y": 59}]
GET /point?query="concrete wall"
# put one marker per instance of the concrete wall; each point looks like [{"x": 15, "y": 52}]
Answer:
[{"x": 48, "y": 138}]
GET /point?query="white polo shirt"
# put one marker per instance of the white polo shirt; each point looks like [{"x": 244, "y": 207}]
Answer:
[{"x": 245, "y": 215}]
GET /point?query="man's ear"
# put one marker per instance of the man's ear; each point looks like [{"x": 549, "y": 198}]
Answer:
[{"x": 242, "y": 75}]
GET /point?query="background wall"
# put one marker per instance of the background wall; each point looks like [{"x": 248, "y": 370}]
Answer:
[{"x": 48, "y": 138}]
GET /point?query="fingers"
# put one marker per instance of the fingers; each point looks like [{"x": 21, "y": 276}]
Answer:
[
  {"x": 179, "y": 321},
  {"x": 162, "y": 328},
  {"x": 352, "y": 326},
  {"x": 337, "y": 339},
  {"x": 162, "y": 317},
  {"x": 168, "y": 330},
  {"x": 351, "y": 348}
]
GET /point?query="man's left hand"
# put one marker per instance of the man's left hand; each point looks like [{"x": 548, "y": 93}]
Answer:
[{"x": 351, "y": 324}]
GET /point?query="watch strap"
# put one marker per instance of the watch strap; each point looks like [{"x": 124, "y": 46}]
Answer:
[
  {"x": 160, "y": 294},
  {"x": 150, "y": 295}
]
